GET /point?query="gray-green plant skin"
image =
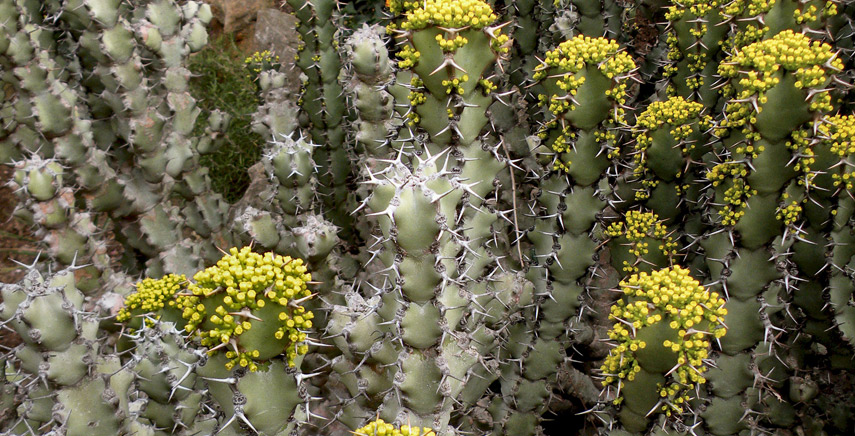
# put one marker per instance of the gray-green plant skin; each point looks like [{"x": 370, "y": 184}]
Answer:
[
  {"x": 128, "y": 152},
  {"x": 325, "y": 112},
  {"x": 63, "y": 379},
  {"x": 472, "y": 292},
  {"x": 431, "y": 243}
]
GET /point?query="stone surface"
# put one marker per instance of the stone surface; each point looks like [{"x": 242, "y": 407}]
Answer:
[
  {"x": 237, "y": 16},
  {"x": 277, "y": 31}
]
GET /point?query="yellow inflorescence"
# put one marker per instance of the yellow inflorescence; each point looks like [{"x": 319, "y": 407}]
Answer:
[
  {"x": 790, "y": 212},
  {"x": 261, "y": 58},
  {"x": 788, "y": 50},
  {"x": 839, "y": 134},
  {"x": 738, "y": 192},
  {"x": 570, "y": 58},
  {"x": 676, "y": 113},
  {"x": 239, "y": 284},
  {"x": 151, "y": 296},
  {"x": 381, "y": 428},
  {"x": 487, "y": 86},
  {"x": 697, "y": 8},
  {"x": 409, "y": 57},
  {"x": 451, "y": 44},
  {"x": 400, "y": 6},
  {"x": 638, "y": 227},
  {"x": 669, "y": 295},
  {"x": 453, "y": 14},
  {"x": 682, "y": 117},
  {"x": 455, "y": 85},
  {"x": 574, "y": 54},
  {"x": 755, "y": 69}
]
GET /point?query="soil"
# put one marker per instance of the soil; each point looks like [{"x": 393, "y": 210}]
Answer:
[{"x": 17, "y": 244}]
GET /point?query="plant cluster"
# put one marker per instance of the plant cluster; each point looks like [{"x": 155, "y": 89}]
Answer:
[{"x": 434, "y": 228}]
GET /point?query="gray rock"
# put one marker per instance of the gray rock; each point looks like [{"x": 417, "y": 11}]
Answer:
[
  {"x": 277, "y": 31},
  {"x": 237, "y": 16}
]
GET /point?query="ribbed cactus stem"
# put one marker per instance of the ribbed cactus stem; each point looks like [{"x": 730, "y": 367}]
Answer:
[
  {"x": 838, "y": 146},
  {"x": 672, "y": 140},
  {"x": 696, "y": 32},
  {"x": 323, "y": 105},
  {"x": 760, "y": 188},
  {"x": 664, "y": 327},
  {"x": 584, "y": 83},
  {"x": 756, "y": 20},
  {"x": 640, "y": 243},
  {"x": 600, "y": 18}
]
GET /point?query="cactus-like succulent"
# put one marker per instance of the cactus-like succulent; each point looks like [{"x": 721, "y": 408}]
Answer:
[
  {"x": 664, "y": 327},
  {"x": 251, "y": 306},
  {"x": 640, "y": 243},
  {"x": 470, "y": 292},
  {"x": 671, "y": 140}
]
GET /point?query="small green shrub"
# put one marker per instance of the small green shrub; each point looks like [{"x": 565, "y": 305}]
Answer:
[{"x": 221, "y": 81}]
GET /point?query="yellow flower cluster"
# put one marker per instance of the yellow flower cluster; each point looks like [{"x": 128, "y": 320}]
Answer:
[
  {"x": 838, "y": 133},
  {"x": 381, "y": 428},
  {"x": 409, "y": 57},
  {"x": 801, "y": 143},
  {"x": 756, "y": 68},
  {"x": 638, "y": 228},
  {"x": 261, "y": 61},
  {"x": 808, "y": 13},
  {"x": 697, "y": 8},
  {"x": 259, "y": 57},
  {"x": 226, "y": 298},
  {"x": 669, "y": 295},
  {"x": 416, "y": 98},
  {"x": 788, "y": 50},
  {"x": 151, "y": 296},
  {"x": 676, "y": 112},
  {"x": 574, "y": 54},
  {"x": 455, "y": 85},
  {"x": 846, "y": 179},
  {"x": 487, "y": 86},
  {"x": 737, "y": 193},
  {"x": 748, "y": 7},
  {"x": 451, "y": 44},
  {"x": 790, "y": 213},
  {"x": 453, "y": 14},
  {"x": 400, "y": 6},
  {"x": 501, "y": 43}
]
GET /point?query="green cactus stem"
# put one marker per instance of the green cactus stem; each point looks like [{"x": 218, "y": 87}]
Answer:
[
  {"x": 671, "y": 140},
  {"x": 586, "y": 82},
  {"x": 664, "y": 327},
  {"x": 640, "y": 243}
]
